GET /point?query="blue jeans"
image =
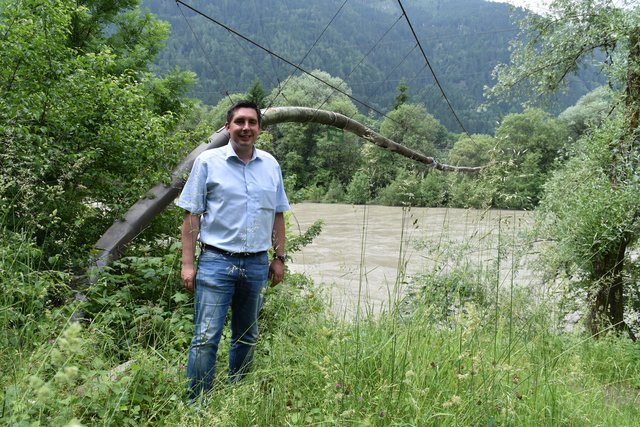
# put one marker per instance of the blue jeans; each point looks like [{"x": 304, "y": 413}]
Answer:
[{"x": 224, "y": 282}]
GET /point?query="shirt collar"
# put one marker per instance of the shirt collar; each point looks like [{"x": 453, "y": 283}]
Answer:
[{"x": 230, "y": 152}]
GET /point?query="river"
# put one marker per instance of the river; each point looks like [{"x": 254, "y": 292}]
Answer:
[{"x": 366, "y": 255}]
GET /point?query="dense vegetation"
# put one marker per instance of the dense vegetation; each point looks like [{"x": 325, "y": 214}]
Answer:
[
  {"x": 367, "y": 45},
  {"x": 86, "y": 127}
]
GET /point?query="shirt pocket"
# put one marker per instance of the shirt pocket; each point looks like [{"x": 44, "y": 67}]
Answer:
[{"x": 268, "y": 200}]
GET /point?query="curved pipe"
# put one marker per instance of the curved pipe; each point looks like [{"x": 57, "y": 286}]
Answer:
[{"x": 110, "y": 246}]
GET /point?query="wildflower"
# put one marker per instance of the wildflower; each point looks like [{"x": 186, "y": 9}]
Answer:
[
  {"x": 454, "y": 401},
  {"x": 71, "y": 372},
  {"x": 35, "y": 382},
  {"x": 348, "y": 413},
  {"x": 44, "y": 392},
  {"x": 382, "y": 413},
  {"x": 338, "y": 386},
  {"x": 407, "y": 377}
]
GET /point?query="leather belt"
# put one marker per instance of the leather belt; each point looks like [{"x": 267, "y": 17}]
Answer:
[{"x": 232, "y": 254}]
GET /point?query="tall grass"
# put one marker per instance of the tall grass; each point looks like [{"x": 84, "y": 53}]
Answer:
[{"x": 464, "y": 347}]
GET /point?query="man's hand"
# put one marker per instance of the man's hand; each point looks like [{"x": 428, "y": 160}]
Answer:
[
  {"x": 189, "y": 236},
  {"x": 188, "y": 275},
  {"x": 276, "y": 272}
]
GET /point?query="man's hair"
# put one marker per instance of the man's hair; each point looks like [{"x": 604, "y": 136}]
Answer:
[{"x": 243, "y": 104}]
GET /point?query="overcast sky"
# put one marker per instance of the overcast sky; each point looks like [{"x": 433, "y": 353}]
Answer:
[
  {"x": 535, "y": 5},
  {"x": 539, "y": 5}
]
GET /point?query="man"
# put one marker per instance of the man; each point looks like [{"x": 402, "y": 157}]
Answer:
[{"x": 234, "y": 201}]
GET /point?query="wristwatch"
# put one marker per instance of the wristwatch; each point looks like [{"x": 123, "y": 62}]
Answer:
[{"x": 280, "y": 257}]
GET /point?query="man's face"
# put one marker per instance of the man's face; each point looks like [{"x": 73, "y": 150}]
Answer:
[{"x": 244, "y": 128}]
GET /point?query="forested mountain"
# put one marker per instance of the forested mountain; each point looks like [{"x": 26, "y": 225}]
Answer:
[{"x": 367, "y": 43}]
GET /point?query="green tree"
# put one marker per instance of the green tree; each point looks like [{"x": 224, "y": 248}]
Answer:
[
  {"x": 433, "y": 189},
  {"x": 412, "y": 126},
  {"x": 477, "y": 190},
  {"x": 474, "y": 150},
  {"x": 82, "y": 134},
  {"x": 402, "y": 97},
  {"x": 557, "y": 45},
  {"x": 308, "y": 150},
  {"x": 134, "y": 38},
  {"x": 590, "y": 110},
  {"x": 527, "y": 146},
  {"x": 358, "y": 189},
  {"x": 402, "y": 191},
  {"x": 256, "y": 94}
]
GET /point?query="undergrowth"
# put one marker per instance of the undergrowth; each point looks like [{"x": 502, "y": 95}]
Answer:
[{"x": 456, "y": 355}]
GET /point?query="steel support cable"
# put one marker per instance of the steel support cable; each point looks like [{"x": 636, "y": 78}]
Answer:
[
  {"x": 281, "y": 87},
  {"x": 280, "y": 57},
  {"x": 386, "y": 78},
  {"x": 365, "y": 56},
  {"x": 204, "y": 54},
  {"x": 424, "y": 55}
]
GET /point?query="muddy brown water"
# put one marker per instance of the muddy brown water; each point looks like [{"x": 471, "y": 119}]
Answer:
[{"x": 366, "y": 255}]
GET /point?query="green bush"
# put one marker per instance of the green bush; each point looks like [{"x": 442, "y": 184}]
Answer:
[
  {"x": 358, "y": 190},
  {"x": 139, "y": 301},
  {"x": 29, "y": 297},
  {"x": 433, "y": 190},
  {"x": 402, "y": 191},
  {"x": 335, "y": 193}
]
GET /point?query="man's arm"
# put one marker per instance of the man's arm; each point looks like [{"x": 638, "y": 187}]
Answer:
[
  {"x": 276, "y": 269},
  {"x": 189, "y": 237}
]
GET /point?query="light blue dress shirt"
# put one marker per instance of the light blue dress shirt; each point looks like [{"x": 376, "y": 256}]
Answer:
[{"x": 238, "y": 202}]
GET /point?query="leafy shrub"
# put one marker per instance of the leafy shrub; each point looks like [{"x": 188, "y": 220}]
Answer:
[
  {"x": 358, "y": 190},
  {"x": 139, "y": 301},
  {"x": 447, "y": 293},
  {"x": 27, "y": 295},
  {"x": 433, "y": 190},
  {"x": 402, "y": 191},
  {"x": 335, "y": 193},
  {"x": 313, "y": 193},
  {"x": 470, "y": 192}
]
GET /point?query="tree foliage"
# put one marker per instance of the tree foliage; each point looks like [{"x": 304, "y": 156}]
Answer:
[
  {"x": 80, "y": 118},
  {"x": 589, "y": 111},
  {"x": 402, "y": 97},
  {"x": 410, "y": 125},
  {"x": 311, "y": 151},
  {"x": 527, "y": 146},
  {"x": 559, "y": 44}
]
